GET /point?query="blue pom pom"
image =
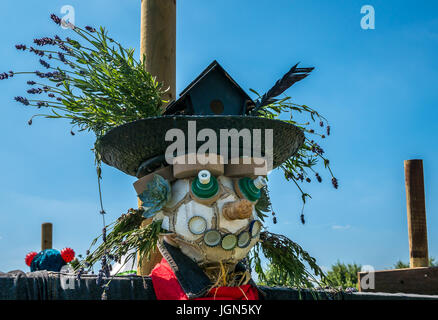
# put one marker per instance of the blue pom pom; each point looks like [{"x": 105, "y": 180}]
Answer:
[{"x": 49, "y": 259}]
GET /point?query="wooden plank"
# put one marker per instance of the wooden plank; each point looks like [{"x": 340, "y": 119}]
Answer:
[
  {"x": 416, "y": 209},
  {"x": 46, "y": 236},
  {"x": 417, "y": 281},
  {"x": 158, "y": 52},
  {"x": 158, "y": 42}
]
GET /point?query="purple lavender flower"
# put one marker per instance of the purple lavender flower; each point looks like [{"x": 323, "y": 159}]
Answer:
[
  {"x": 80, "y": 272},
  {"x": 42, "y": 104},
  {"x": 321, "y": 124},
  {"x": 55, "y": 19},
  {"x": 63, "y": 47},
  {"x": 29, "y": 122},
  {"x": 328, "y": 130},
  {"x": 335, "y": 182},
  {"x": 3, "y": 76},
  {"x": 317, "y": 149},
  {"x": 40, "y": 74},
  {"x": 99, "y": 279},
  {"x": 90, "y": 29},
  {"x": 11, "y": 74},
  {"x": 62, "y": 57},
  {"x": 51, "y": 95},
  {"x": 37, "y": 52},
  {"x": 44, "y": 64},
  {"x": 303, "y": 221},
  {"x": 31, "y": 83},
  {"x": 35, "y": 91},
  {"x": 59, "y": 99},
  {"x": 318, "y": 177},
  {"x": 44, "y": 41},
  {"x": 22, "y": 100},
  {"x": 21, "y": 47}
]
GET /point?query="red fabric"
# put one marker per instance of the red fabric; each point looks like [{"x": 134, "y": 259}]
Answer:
[{"x": 167, "y": 287}]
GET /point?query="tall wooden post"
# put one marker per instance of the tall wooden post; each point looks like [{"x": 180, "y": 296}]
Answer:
[
  {"x": 415, "y": 201},
  {"x": 46, "y": 236},
  {"x": 158, "y": 52},
  {"x": 158, "y": 42}
]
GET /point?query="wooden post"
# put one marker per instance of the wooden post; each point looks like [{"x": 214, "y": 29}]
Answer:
[
  {"x": 158, "y": 42},
  {"x": 415, "y": 201},
  {"x": 46, "y": 236},
  {"x": 158, "y": 52}
]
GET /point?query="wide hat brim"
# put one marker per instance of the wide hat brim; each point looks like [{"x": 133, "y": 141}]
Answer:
[{"x": 127, "y": 146}]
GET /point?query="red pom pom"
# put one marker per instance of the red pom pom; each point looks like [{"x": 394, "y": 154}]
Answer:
[
  {"x": 67, "y": 254},
  {"x": 29, "y": 257}
]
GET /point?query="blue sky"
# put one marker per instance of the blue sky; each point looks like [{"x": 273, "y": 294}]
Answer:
[{"x": 378, "y": 88}]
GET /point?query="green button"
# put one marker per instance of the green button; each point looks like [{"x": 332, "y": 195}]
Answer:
[
  {"x": 249, "y": 190},
  {"x": 205, "y": 191}
]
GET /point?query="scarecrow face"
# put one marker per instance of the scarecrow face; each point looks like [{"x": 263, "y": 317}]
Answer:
[{"x": 213, "y": 219}]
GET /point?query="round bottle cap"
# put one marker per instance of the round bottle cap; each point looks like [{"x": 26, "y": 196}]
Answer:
[
  {"x": 229, "y": 242},
  {"x": 204, "y": 176},
  {"x": 197, "y": 225},
  {"x": 244, "y": 239},
  {"x": 259, "y": 182},
  {"x": 205, "y": 185},
  {"x": 248, "y": 189},
  {"x": 255, "y": 228},
  {"x": 212, "y": 238}
]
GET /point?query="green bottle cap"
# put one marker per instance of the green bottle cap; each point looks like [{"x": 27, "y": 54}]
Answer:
[
  {"x": 205, "y": 187},
  {"x": 249, "y": 190}
]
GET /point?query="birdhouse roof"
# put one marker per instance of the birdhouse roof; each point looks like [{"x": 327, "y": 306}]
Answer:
[{"x": 176, "y": 106}]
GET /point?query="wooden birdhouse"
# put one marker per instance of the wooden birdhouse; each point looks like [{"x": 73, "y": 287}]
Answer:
[{"x": 213, "y": 92}]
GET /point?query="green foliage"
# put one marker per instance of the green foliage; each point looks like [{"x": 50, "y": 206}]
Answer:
[
  {"x": 287, "y": 263},
  {"x": 263, "y": 205},
  {"x": 302, "y": 166},
  {"x": 95, "y": 83},
  {"x": 126, "y": 234},
  {"x": 403, "y": 265},
  {"x": 343, "y": 275},
  {"x": 275, "y": 276}
]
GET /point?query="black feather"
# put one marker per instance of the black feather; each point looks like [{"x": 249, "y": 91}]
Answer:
[{"x": 294, "y": 75}]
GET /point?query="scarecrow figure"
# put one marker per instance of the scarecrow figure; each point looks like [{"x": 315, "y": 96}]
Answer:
[{"x": 205, "y": 200}]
